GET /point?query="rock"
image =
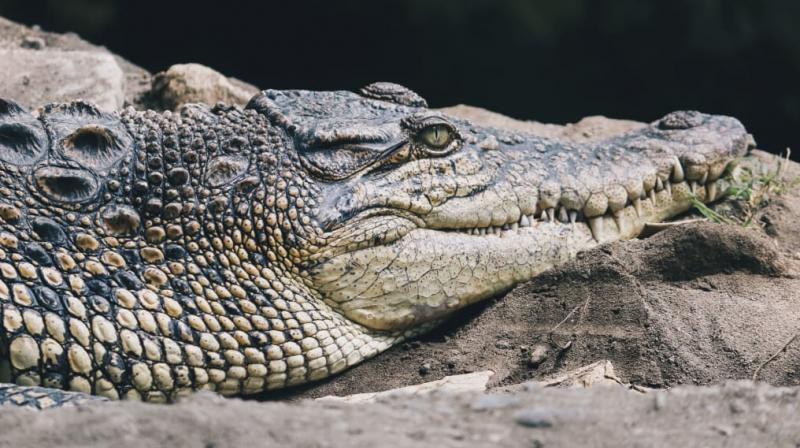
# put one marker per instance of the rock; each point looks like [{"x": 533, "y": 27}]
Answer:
[
  {"x": 195, "y": 83},
  {"x": 600, "y": 373},
  {"x": 600, "y": 416},
  {"x": 38, "y": 67},
  {"x": 37, "y": 77},
  {"x": 425, "y": 368},
  {"x": 538, "y": 355},
  {"x": 471, "y": 382},
  {"x": 534, "y": 418},
  {"x": 589, "y": 128}
]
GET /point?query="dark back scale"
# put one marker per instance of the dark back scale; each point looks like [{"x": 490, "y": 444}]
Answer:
[{"x": 146, "y": 255}]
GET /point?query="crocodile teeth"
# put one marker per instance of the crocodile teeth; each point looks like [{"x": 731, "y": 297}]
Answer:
[
  {"x": 677, "y": 171},
  {"x": 618, "y": 219},
  {"x": 637, "y": 204},
  {"x": 515, "y": 226},
  {"x": 659, "y": 184},
  {"x": 573, "y": 216},
  {"x": 653, "y": 196},
  {"x": 524, "y": 221},
  {"x": 711, "y": 191},
  {"x": 596, "y": 225},
  {"x": 482, "y": 231},
  {"x": 705, "y": 178},
  {"x": 551, "y": 214},
  {"x": 562, "y": 214},
  {"x": 693, "y": 186},
  {"x": 668, "y": 186}
]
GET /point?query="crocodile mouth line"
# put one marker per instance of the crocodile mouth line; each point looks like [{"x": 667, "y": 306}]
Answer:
[{"x": 642, "y": 209}]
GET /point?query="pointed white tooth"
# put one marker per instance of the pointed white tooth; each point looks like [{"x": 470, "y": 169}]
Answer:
[
  {"x": 653, "y": 196},
  {"x": 617, "y": 215},
  {"x": 693, "y": 186},
  {"x": 573, "y": 216},
  {"x": 483, "y": 231},
  {"x": 705, "y": 178},
  {"x": 551, "y": 214},
  {"x": 659, "y": 184},
  {"x": 668, "y": 186},
  {"x": 596, "y": 224},
  {"x": 524, "y": 221},
  {"x": 711, "y": 191},
  {"x": 562, "y": 214},
  {"x": 677, "y": 171},
  {"x": 515, "y": 226},
  {"x": 637, "y": 204}
]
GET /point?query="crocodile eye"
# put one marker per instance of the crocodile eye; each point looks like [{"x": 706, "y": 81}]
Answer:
[{"x": 436, "y": 136}]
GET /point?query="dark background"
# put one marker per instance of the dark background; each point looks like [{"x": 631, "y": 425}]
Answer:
[{"x": 553, "y": 61}]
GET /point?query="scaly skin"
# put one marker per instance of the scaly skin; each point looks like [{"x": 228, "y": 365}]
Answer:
[{"x": 146, "y": 255}]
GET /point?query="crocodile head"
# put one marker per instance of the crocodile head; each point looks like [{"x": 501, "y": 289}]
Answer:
[{"x": 420, "y": 214}]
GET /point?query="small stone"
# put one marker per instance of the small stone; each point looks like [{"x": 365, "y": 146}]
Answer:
[
  {"x": 534, "y": 418},
  {"x": 32, "y": 42},
  {"x": 503, "y": 344},
  {"x": 195, "y": 83},
  {"x": 538, "y": 355},
  {"x": 425, "y": 368}
]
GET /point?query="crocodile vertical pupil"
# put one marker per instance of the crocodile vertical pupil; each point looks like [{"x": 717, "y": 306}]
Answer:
[{"x": 436, "y": 136}]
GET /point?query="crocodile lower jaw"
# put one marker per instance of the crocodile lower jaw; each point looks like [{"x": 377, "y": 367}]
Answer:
[{"x": 664, "y": 201}]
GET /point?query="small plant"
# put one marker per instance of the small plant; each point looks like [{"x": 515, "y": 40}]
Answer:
[
  {"x": 751, "y": 190},
  {"x": 709, "y": 213}
]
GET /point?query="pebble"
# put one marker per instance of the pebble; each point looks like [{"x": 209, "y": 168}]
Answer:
[
  {"x": 538, "y": 355},
  {"x": 534, "y": 418},
  {"x": 425, "y": 368}
]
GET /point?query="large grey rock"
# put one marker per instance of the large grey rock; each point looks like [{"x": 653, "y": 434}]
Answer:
[
  {"x": 38, "y": 67},
  {"x": 195, "y": 83},
  {"x": 36, "y": 77}
]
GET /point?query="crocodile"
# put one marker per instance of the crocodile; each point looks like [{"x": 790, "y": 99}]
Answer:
[{"x": 145, "y": 255}]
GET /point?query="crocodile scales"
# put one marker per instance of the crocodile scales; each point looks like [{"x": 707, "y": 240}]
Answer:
[{"x": 145, "y": 255}]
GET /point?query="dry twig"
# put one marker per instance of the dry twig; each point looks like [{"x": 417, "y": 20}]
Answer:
[{"x": 772, "y": 358}]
